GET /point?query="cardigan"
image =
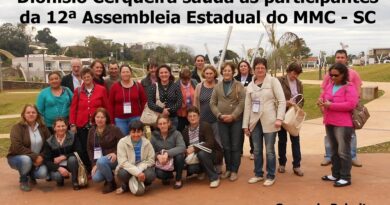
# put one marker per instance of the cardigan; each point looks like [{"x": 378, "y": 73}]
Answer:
[
  {"x": 230, "y": 104},
  {"x": 108, "y": 141},
  {"x": 120, "y": 95},
  {"x": 83, "y": 108},
  {"x": 21, "y": 143},
  {"x": 270, "y": 92}
]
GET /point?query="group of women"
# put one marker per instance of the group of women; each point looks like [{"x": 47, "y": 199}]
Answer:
[{"x": 199, "y": 125}]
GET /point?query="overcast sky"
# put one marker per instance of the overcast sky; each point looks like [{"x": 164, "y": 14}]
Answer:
[{"x": 327, "y": 37}]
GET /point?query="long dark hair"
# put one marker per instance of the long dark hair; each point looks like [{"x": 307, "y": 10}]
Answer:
[
  {"x": 171, "y": 77},
  {"x": 343, "y": 70}
]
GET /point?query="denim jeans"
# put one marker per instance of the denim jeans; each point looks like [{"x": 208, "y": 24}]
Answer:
[
  {"x": 72, "y": 166},
  {"x": 231, "y": 137},
  {"x": 104, "y": 168},
  {"x": 205, "y": 165},
  {"x": 124, "y": 177},
  {"x": 269, "y": 138},
  {"x": 328, "y": 150},
  {"x": 123, "y": 124},
  {"x": 25, "y": 167},
  {"x": 340, "y": 141},
  {"x": 178, "y": 162},
  {"x": 295, "y": 148}
]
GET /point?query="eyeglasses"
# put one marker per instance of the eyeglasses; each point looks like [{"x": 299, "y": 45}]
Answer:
[{"x": 334, "y": 75}]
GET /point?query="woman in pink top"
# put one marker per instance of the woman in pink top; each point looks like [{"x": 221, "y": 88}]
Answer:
[{"x": 338, "y": 100}]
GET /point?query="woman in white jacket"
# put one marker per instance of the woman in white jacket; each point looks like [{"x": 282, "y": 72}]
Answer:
[
  {"x": 264, "y": 111},
  {"x": 135, "y": 158}
]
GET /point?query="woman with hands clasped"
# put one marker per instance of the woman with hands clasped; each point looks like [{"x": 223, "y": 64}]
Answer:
[
  {"x": 263, "y": 118},
  {"x": 103, "y": 139},
  {"x": 59, "y": 154}
]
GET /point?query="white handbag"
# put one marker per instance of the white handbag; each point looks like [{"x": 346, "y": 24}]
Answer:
[
  {"x": 294, "y": 118},
  {"x": 149, "y": 117}
]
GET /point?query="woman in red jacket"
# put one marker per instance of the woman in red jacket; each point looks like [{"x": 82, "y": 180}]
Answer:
[
  {"x": 85, "y": 101},
  {"x": 127, "y": 100}
]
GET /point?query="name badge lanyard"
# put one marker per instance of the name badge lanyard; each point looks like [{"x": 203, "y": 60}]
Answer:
[
  {"x": 97, "y": 150},
  {"x": 126, "y": 105},
  {"x": 89, "y": 94},
  {"x": 188, "y": 95}
]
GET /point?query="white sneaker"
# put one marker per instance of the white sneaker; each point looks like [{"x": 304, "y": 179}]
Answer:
[
  {"x": 214, "y": 184},
  {"x": 119, "y": 190},
  {"x": 226, "y": 175},
  {"x": 269, "y": 182},
  {"x": 233, "y": 176},
  {"x": 201, "y": 176},
  {"x": 255, "y": 180}
]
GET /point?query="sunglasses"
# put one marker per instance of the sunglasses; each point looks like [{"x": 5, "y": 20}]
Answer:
[{"x": 334, "y": 75}]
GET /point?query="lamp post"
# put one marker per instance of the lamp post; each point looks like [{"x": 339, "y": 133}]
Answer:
[{"x": 1, "y": 76}]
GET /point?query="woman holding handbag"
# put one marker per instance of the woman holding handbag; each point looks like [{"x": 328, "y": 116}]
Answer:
[
  {"x": 103, "y": 139},
  {"x": 338, "y": 100},
  {"x": 127, "y": 100},
  {"x": 263, "y": 118},
  {"x": 169, "y": 95},
  {"x": 169, "y": 146},
  {"x": 200, "y": 143},
  {"x": 292, "y": 87},
  {"x": 59, "y": 157}
]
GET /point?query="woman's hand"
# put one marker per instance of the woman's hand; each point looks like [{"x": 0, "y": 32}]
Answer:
[
  {"x": 64, "y": 172},
  {"x": 141, "y": 177},
  {"x": 73, "y": 129},
  {"x": 247, "y": 132},
  {"x": 38, "y": 161},
  {"x": 278, "y": 123},
  {"x": 190, "y": 150},
  {"x": 162, "y": 159},
  {"x": 111, "y": 157},
  {"x": 93, "y": 172},
  {"x": 327, "y": 104},
  {"x": 165, "y": 112},
  {"x": 59, "y": 159}
]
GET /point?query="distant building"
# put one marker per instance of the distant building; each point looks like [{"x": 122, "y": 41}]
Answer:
[
  {"x": 310, "y": 62},
  {"x": 379, "y": 51},
  {"x": 38, "y": 66}
]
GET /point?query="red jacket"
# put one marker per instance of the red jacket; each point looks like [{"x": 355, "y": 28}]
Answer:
[
  {"x": 119, "y": 95},
  {"x": 81, "y": 109}
]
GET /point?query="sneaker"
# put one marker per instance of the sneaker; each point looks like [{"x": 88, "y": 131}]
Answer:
[
  {"x": 233, "y": 176},
  {"x": 76, "y": 186},
  {"x": 24, "y": 186},
  {"x": 226, "y": 175},
  {"x": 341, "y": 183},
  {"x": 356, "y": 163},
  {"x": 282, "y": 169},
  {"x": 325, "y": 162},
  {"x": 269, "y": 182},
  {"x": 119, "y": 190},
  {"x": 255, "y": 180},
  {"x": 214, "y": 184},
  {"x": 252, "y": 157},
  {"x": 201, "y": 176},
  {"x": 298, "y": 171}
]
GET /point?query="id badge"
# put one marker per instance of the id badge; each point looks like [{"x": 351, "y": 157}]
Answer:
[
  {"x": 127, "y": 108},
  {"x": 97, "y": 152},
  {"x": 256, "y": 106}
]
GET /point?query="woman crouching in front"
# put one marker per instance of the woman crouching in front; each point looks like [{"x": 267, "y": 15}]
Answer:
[
  {"x": 135, "y": 158},
  {"x": 59, "y": 154},
  {"x": 169, "y": 146}
]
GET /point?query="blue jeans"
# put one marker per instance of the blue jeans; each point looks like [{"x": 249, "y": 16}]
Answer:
[
  {"x": 72, "y": 166},
  {"x": 123, "y": 124},
  {"x": 295, "y": 147},
  {"x": 205, "y": 165},
  {"x": 269, "y": 138},
  {"x": 340, "y": 142},
  {"x": 231, "y": 137},
  {"x": 328, "y": 150},
  {"x": 25, "y": 167},
  {"x": 104, "y": 168}
]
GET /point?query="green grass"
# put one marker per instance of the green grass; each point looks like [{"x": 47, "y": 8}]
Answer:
[
  {"x": 311, "y": 94},
  {"x": 12, "y": 103},
  {"x": 4, "y": 146},
  {"x": 6, "y": 125},
  {"x": 372, "y": 73},
  {"x": 378, "y": 148}
]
